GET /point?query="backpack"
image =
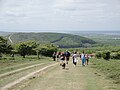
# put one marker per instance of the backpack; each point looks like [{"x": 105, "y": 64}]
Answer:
[{"x": 67, "y": 53}]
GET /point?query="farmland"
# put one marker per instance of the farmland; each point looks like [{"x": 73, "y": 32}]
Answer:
[{"x": 104, "y": 37}]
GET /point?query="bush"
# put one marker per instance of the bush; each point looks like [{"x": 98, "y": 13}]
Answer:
[
  {"x": 106, "y": 55},
  {"x": 47, "y": 49},
  {"x": 98, "y": 55},
  {"x": 115, "y": 55}
]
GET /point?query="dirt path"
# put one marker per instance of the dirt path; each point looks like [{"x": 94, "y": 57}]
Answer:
[
  {"x": 10, "y": 38},
  {"x": 6, "y": 87},
  {"x": 72, "y": 78},
  {"x": 18, "y": 70}
]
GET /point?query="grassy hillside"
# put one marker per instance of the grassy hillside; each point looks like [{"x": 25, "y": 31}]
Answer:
[
  {"x": 60, "y": 39},
  {"x": 110, "y": 68},
  {"x": 104, "y": 37}
]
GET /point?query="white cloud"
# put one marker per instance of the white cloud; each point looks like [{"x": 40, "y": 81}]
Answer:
[{"x": 59, "y": 14}]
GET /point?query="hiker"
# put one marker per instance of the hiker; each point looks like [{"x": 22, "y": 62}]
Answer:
[
  {"x": 83, "y": 58},
  {"x": 87, "y": 59},
  {"x": 62, "y": 60},
  {"x": 54, "y": 56},
  {"x": 67, "y": 56},
  {"x": 74, "y": 57},
  {"x": 58, "y": 56}
]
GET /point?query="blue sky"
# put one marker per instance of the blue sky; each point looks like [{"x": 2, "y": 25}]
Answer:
[{"x": 59, "y": 15}]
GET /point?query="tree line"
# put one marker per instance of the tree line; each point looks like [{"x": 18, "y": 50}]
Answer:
[
  {"x": 26, "y": 48},
  {"x": 47, "y": 49}
]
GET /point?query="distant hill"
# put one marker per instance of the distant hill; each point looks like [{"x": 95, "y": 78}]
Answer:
[
  {"x": 103, "y": 37},
  {"x": 60, "y": 39},
  {"x": 2, "y": 33}
]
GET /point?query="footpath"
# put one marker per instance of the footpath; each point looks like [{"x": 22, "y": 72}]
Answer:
[{"x": 71, "y": 78}]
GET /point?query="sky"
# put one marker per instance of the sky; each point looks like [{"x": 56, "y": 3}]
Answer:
[{"x": 59, "y": 15}]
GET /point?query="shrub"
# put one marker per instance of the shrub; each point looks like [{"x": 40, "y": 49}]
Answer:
[
  {"x": 47, "y": 49},
  {"x": 115, "y": 55},
  {"x": 106, "y": 55},
  {"x": 98, "y": 55}
]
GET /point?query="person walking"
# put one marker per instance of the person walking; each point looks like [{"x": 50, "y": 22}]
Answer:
[
  {"x": 62, "y": 60},
  {"x": 58, "y": 56},
  {"x": 74, "y": 57},
  {"x": 67, "y": 56},
  {"x": 54, "y": 56},
  {"x": 87, "y": 59},
  {"x": 83, "y": 58}
]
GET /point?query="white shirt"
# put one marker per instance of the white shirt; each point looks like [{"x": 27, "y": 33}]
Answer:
[
  {"x": 82, "y": 56},
  {"x": 75, "y": 57}
]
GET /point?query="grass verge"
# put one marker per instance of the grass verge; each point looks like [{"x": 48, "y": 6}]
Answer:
[{"x": 110, "y": 68}]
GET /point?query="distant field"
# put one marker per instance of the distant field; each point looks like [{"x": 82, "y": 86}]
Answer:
[
  {"x": 2, "y": 33},
  {"x": 105, "y": 37}
]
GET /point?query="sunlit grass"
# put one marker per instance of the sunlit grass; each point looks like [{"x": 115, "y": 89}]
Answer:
[{"x": 110, "y": 68}]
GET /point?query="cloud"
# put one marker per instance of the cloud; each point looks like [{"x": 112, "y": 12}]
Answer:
[{"x": 63, "y": 14}]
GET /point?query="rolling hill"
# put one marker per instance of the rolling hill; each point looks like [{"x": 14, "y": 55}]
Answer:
[
  {"x": 2, "y": 33},
  {"x": 103, "y": 37},
  {"x": 60, "y": 39}
]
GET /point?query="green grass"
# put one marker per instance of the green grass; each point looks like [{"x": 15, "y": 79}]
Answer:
[
  {"x": 9, "y": 64},
  {"x": 110, "y": 68},
  {"x": 74, "y": 78},
  {"x": 106, "y": 39}
]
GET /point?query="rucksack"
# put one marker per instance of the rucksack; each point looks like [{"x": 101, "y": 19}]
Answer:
[{"x": 67, "y": 53}]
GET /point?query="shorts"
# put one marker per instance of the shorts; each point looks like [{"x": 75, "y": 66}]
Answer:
[
  {"x": 67, "y": 58},
  {"x": 62, "y": 59}
]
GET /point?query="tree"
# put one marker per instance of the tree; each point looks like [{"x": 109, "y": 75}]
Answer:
[
  {"x": 26, "y": 48},
  {"x": 4, "y": 46},
  {"x": 22, "y": 49},
  {"x": 9, "y": 49},
  {"x": 46, "y": 49},
  {"x": 98, "y": 55},
  {"x": 32, "y": 45},
  {"x": 106, "y": 55}
]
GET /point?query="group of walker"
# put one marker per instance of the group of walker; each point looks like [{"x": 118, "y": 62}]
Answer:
[
  {"x": 84, "y": 57},
  {"x": 65, "y": 56}
]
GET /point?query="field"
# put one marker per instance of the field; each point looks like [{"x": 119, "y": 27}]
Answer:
[
  {"x": 54, "y": 77},
  {"x": 104, "y": 37}
]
